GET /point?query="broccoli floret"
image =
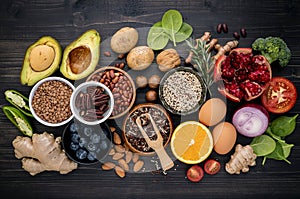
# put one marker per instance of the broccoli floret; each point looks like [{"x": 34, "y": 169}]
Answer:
[{"x": 274, "y": 49}]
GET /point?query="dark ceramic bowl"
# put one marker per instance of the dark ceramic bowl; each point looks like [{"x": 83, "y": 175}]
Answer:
[{"x": 86, "y": 144}]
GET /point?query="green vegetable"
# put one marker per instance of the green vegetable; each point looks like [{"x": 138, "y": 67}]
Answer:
[
  {"x": 263, "y": 145},
  {"x": 171, "y": 27},
  {"x": 283, "y": 125},
  {"x": 19, "y": 101},
  {"x": 18, "y": 119},
  {"x": 157, "y": 38},
  {"x": 274, "y": 49},
  {"x": 279, "y": 153}
]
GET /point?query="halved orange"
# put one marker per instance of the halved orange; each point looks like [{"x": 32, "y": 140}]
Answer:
[{"x": 191, "y": 142}]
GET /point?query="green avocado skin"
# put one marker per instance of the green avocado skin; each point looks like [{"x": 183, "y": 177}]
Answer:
[
  {"x": 89, "y": 39},
  {"x": 28, "y": 75}
]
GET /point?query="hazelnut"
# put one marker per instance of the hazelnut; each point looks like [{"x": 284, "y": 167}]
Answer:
[
  {"x": 168, "y": 59},
  {"x": 154, "y": 81},
  {"x": 141, "y": 81},
  {"x": 151, "y": 95}
]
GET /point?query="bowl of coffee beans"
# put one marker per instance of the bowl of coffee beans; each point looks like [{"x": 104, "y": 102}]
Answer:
[
  {"x": 92, "y": 103},
  {"x": 49, "y": 101}
]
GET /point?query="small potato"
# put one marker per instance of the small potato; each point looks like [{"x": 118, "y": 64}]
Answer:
[
  {"x": 140, "y": 58},
  {"x": 124, "y": 40}
]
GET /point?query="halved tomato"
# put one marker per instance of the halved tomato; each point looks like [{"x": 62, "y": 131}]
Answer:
[
  {"x": 280, "y": 95},
  {"x": 212, "y": 166},
  {"x": 195, "y": 173}
]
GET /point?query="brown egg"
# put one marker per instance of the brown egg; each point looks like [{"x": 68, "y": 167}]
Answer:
[
  {"x": 212, "y": 111},
  {"x": 224, "y": 137}
]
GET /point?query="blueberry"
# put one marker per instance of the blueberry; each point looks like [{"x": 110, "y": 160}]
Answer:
[
  {"x": 91, "y": 156},
  {"x": 74, "y": 146},
  {"x": 75, "y": 137},
  {"x": 95, "y": 138},
  {"x": 81, "y": 154},
  {"x": 91, "y": 146},
  {"x": 73, "y": 128},
  {"x": 88, "y": 131},
  {"x": 103, "y": 145},
  {"x": 82, "y": 142}
]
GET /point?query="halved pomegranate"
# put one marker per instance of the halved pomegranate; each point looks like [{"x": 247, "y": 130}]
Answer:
[{"x": 243, "y": 75}]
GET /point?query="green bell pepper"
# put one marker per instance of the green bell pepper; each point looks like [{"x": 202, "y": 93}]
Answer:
[
  {"x": 19, "y": 101},
  {"x": 18, "y": 119}
]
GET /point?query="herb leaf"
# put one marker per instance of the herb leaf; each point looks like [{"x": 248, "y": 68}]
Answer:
[
  {"x": 284, "y": 125},
  {"x": 278, "y": 153},
  {"x": 184, "y": 32},
  {"x": 157, "y": 38},
  {"x": 263, "y": 145},
  {"x": 172, "y": 22}
]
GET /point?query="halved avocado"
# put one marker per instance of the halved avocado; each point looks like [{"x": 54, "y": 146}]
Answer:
[
  {"x": 41, "y": 60},
  {"x": 81, "y": 57}
]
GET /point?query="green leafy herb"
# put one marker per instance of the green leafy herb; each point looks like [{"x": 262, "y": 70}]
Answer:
[
  {"x": 284, "y": 125},
  {"x": 277, "y": 154},
  {"x": 157, "y": 38},
  {"x": 263, "y": 145},
  {"x": 171, "y": 27}
]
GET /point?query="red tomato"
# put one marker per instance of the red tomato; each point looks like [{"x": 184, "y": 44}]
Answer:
[
  {"x": 195, "y": 173},
  {"x": 280, "y": 95},
  {"x": 212, "y": 166}
]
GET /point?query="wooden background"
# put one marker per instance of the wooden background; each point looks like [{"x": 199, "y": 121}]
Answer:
[{"x": 22, "y": 22}]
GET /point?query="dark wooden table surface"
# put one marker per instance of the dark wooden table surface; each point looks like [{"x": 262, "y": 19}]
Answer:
[{"x": 22, "y": 22}]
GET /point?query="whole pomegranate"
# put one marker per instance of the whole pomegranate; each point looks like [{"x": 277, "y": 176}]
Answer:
[{"x": 243, "y": 74}]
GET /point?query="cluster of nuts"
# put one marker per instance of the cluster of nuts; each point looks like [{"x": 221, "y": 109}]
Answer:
[
  {"x": 152, "y": 82},
  {"x": 51, "y": 101},
  {"x": 122, "y": 159},
  {"x": 92, "y": 104},
  {"x": 120, "y": 85}
]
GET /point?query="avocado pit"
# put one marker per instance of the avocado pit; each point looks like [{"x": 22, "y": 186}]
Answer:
[
  {"x": 41, "y": 57},
  {"x": 80, "y": 59}
]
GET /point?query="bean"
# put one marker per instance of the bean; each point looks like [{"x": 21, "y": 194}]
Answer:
[
  {"x": 225, "y": 27},
  {"x": 219, "y": 28},
  {"x": 236, "y": 35},
  {"x": 243, "y": 32}
]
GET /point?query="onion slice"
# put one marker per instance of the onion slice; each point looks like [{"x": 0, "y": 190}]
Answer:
[{"x": 251, "y": 120}]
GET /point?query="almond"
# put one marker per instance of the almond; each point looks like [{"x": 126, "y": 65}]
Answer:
[
  {"x": 112, "y": 129},
  {"x": 118, "y": 156},
  {"x": 120, "y": 172},
  {"x": 128, "y": 156},
  {"x": 138, "y": 165},
  {"x": 120, "y": 148},
  {"x": 122, "y": 163},
  {"x": 112, "y": 152},
  {"x": 108, "y": 166},
  {"x": 135, "y": 157},
  {"x": 117, "y": 138}
]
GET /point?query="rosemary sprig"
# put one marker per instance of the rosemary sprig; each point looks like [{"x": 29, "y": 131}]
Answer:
[{"x": 202, "y": 60}]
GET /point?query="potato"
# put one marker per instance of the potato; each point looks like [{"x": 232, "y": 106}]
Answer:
[
  {"x": 124, "y": 40},
  {"x": 140, "y": 58}
]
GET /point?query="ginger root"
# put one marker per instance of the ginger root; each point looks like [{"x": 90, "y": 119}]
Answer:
[
  {"x": 242, "y": 158},
  {"x": 42, "y": 153},
  {"x": 224, "y": 49}
]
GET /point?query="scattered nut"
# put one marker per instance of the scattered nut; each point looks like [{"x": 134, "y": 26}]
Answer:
[
  {"x": 135, "y": 157},
  {"x": 128, "y": 156},
  {"x": 120, "y": 148},
  {"x": 112, "y": 129},
  {"x": 151, "y": 95},
  {"x": 117, "y": 138},
  {"x": 225, "y": 27},
  {"x": 123, "y": 164},
  {"x": 219, "y": 28},
  {"x": 118, "y": 156},
  {"x": 140, "y": 58},
  {"x": 243, "y": 32},
  {"x": 124, "y": 40},
  {"x": 112, "y": 152},
  {"x": 107, "y": 54},
  {"x": 120, "y": 172},
  {"x": 168, "y": 59},
  {"x": 108, "y": 166},
  {"x": 141, "y": 81},
  {"x": 138, "y": 166},
  {"x": 236, "y": 35},
  {"x": 154, "y": 81}
]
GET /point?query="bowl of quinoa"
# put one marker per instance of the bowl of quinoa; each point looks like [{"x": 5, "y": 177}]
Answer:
[
  {"x": 182, "y": 91},
  {"x": 49, "y": 101}
]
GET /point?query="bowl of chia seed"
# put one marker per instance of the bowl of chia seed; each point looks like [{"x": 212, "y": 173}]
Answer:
[{"x": 182, "y": 91}]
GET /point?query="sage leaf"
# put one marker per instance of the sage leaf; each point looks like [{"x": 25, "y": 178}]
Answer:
[
  {"x": 278, "y": 153},
  {"x": 157, "y": 38},
  {"x": 184, "y": 32},
  {"x": 263, "y": 145},
  {"x": 172, "y": 22},
  {"x": 283, "y": 125}
]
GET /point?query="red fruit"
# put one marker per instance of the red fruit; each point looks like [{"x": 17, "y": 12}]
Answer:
[
  {"x": 243, "y": 75},
  {"x": 280, "y": 95},
  {"x": 195, "y": 173},
  {"x": 212, "y": 166}
]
